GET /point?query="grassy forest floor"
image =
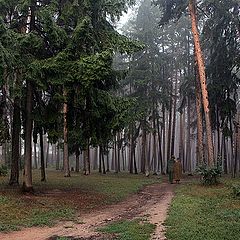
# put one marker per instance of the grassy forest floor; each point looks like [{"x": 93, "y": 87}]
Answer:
[
  {"x": 83, "y": 202},
  {"x": 202, "y": 212},
  {"x": 61, "y": 198}
]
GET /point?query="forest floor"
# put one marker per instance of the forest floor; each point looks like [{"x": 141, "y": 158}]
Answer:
[{"x": 151, "y": 203}]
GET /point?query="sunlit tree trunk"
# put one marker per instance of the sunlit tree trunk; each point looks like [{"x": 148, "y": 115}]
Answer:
[
  {"x": 202, "y": 76},
  {"x": 200, "y": 153}
]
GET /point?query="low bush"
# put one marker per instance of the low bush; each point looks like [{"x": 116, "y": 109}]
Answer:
[
  {"x": 3, "y": 170},
  {"x": 236, "y": 190}
]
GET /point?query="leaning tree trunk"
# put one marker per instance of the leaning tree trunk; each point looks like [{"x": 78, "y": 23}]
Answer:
[
  {"x": 202, "y": 76},
  {"x": 66, "y": 167},
  {"x": 16, "y": 130}
]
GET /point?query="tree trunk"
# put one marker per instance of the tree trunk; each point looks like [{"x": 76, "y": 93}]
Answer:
[
  {"x": 27, "y": 172},
  {"x": 35, "y": 156},
  {"x": 86, "y": 160},
  {"x": 58, "y": 157},
  {"x": 145, "y": 165},
  {"x": 103, "y": 163},
  {"x": 202, "y": 76},
  {"x": 200, "y": 153},
  {"x": 174, "y": 117},
  {"x": 188, "y": 146},
  {"x": 164, "y": 139},
  {"x": 43, "y": 173},
  {"x": 16, "y": 131},
  {"x": 169, "y": 129},
  {"x": 66, "y": 166},
  {"x": 181, "y": 142},
  {"x": 77, "y": 153}
]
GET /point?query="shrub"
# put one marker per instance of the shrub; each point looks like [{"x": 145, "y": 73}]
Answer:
[
  {"x": 209, "y": 175},
  {"x": 3, "y": 170},
  {"x": 236, "y": 190}
]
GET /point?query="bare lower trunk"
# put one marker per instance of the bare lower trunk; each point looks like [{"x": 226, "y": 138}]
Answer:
[
  {"x": 188, "y": 146},
  {"x": 169, "y": 129},
  {"x": 43, "y": 173},
  {"x": 16, "y": 130},
  {"x": 87, "y": 161},
  {"x": 77, "y": 153},
  {"x": 200, "y": 154},
  {"x": 66, "y": 166},
  {"x": 181, "y": 143},
  {"x": 35, "y": 156},
  {"x": 58, "y": 158},
  {"x": 27, "y": 172},
  {"x": 174, "y": 118}
]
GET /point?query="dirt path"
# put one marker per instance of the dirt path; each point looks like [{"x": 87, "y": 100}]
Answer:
[{"x": 151, "y": 203}]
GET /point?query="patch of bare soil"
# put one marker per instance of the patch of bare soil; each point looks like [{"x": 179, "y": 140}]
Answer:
[{"x": 151, "y": 203}]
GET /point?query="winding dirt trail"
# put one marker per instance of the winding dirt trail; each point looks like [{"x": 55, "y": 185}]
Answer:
[{"x": 151, "y": 203}]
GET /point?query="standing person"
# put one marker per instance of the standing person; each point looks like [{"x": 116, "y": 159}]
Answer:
[
  {"x": 170, "y": 169},
  {"x": 177, "y": 170}
]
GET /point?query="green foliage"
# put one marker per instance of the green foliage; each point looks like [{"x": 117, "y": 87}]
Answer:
[
  {"x": 209, "y": 175},
  {"x": 130, "y": 230},
  {"x": 236, "y": 190},
  {"x": 3, "y": 170},
  {"x": 201, "y": 213}
]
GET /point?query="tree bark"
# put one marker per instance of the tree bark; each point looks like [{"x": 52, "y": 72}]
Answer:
[
  {"x": 16, "y": 131},
  {"x": 202, "y": 76},
  {"x": 66, "y": 166},
  {"x": 77, "y": 153},
  {"x": 174, "y": 117},
  {"x": 43, "y": 172},
  {"x": 27, "y": 172},
  {"x": 200, "y": 153}
]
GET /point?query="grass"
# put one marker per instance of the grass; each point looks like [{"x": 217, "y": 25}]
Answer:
[
  {"x": 199, "y": 212},
  {"x": 130, "y": 230},
  {"x": 61, "y": 198}
]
